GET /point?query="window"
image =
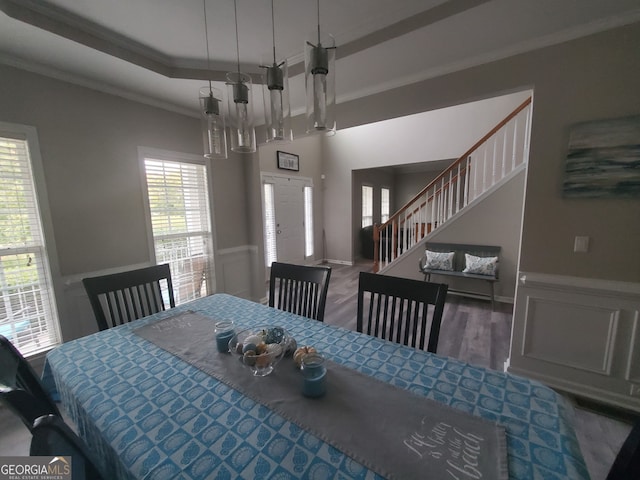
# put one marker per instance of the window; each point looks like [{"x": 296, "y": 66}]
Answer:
[
  {"x": 367, "y": 206},
  {"x": 308, "y": 221},
  {"x": 384, "y": 204},
  {"x": 270, "y": 251},
  {"x": 180, "y": 221},
  {"x": 28, "y": 315}
]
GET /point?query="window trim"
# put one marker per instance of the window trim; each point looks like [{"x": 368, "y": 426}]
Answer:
[
  {"x": 362, "y": 187},
  {"x": 30, "y": 134},
  {"x": 388, "y": 189},
  {"x": 171, "y": 156}
]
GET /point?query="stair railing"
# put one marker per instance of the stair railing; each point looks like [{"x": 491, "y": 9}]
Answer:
[{"x": 487, "y": 162}]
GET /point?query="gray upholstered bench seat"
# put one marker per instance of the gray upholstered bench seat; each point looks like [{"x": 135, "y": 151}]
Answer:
[{"x": 459, "y": 264}]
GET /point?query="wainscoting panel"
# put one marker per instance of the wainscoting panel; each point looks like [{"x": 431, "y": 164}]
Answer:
[
  {"x": 235, "y": 270},
  {"x": 579, "y": 335},
  {"x": 591, "y": 350}
]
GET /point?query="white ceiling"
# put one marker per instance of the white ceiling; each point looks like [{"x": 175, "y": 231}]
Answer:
[{"x": 154, "y": 50}]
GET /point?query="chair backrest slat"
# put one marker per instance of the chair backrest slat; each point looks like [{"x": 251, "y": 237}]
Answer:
[
  {"x": 123, "y": 297},
  {"x": 19, "y": 384},
  {"x": 401, "y": 310},
  {"x": 299, "y": 289}
]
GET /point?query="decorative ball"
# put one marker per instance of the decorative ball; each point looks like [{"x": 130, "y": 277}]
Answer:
[
  {"x": 274, "y": 335},
  {"x": 249, "y": 346},
  {"x": 292, "y": 345},
  {"x": 263, "y": 361},
  {"x": 274, "y": 349},
  {"x": 261, "y": 348},
  {"x": 249, "y": 358},
  {"x": 255, "y": 339}
]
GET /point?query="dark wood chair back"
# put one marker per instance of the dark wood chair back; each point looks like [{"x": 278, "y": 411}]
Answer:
[
  {"x": 626, "y": 466},
  {"x": 52, "y": 437},
  {"x": 123, "y": 297},
  {"x": 398, "y": 309},
  {"x": 16, "y": 374},
  {"x": 299, "y": 289}
]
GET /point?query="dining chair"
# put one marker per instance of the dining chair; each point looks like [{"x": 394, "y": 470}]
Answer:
[
  {"x": 52, "y": 437},
  {"x": 398, "y": 309},
  {"x": 299, "y": 289},
  {"x": 626, "y": 465},
  {"x": 17, "y": 374},
  {"x": 123, "y": 297}
]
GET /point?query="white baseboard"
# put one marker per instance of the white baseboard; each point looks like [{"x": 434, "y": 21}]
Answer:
[{"x": 339, "y": 262}]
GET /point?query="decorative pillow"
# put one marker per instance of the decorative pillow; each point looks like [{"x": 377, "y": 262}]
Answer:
[
  {"x": 439, "y": 260},
  {"x": 480, "y": 265}
]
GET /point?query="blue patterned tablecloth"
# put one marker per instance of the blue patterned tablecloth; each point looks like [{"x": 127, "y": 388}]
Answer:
[{"x": 147, "y": 414}]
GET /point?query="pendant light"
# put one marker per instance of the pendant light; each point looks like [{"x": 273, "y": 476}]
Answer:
[
  {"x": 277, "y": 109},
  {"x": 319, "y": 73},
  {"x": 213, "y": 131},
  {"x": 239, "y": 87}
]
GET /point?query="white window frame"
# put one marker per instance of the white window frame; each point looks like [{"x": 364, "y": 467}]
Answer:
[
  {"x": 367, "y": 209},
  {"x": 308, "y": 221},
  {"x": 180, "y": 157},
  {"x": 268, "y": 218},
  {"x": 49, "y": 264},
  {"x": 267, "y": 178},
  {"x": 384, "y": 215}
]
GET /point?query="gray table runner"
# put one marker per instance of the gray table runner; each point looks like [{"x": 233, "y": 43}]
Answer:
[{"x": 392, "y": 431}]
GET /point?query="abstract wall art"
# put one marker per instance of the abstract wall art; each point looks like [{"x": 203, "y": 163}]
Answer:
[{"x": 604, "y": 159}]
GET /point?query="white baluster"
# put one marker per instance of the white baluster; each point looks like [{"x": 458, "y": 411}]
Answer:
[
  {"x": 504, "y": 149},
  {"x": 458, "y": 189},
  {"x": 527, "y": 133},
  {"x": 515, "y": 143}
]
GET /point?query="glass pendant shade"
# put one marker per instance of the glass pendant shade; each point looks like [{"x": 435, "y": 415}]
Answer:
[
  {"x": 277, "y": 109},
  {"x": 319, "y": 74},
  {"x": 213, "y": 127},
  {"x": 243, "y": 133}
]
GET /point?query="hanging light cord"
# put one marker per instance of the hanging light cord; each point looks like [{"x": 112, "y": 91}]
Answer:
[
  {"x": 235, "y": 8},
  {"x": 318, "y": 3},
  {"x": 206, "y": 37},
  {"x": 273, "y": 32}
]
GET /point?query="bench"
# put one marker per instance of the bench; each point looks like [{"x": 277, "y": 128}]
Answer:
[{"x": 458, "y": 263}]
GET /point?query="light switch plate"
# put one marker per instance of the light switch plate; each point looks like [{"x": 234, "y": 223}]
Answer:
[{"x": 581, "y": 245}]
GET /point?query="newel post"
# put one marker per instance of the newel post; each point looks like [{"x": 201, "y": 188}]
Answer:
[{"x": 376, "y": 248}]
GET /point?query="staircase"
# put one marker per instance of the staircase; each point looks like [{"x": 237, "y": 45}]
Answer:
[{"x": 493, "y": 158}]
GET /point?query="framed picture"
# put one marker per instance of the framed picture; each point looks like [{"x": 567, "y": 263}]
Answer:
[
  {"x": 288, "y": 161},
  {"x": 603, "y": 159}
]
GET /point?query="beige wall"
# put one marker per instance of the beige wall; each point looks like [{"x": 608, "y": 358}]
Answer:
[
  {"x": 432, "y": 135},
  {"x": 493, "y": 220},
  {"x": 89, "y": 143},
  {"x": 586, "y": 79}
]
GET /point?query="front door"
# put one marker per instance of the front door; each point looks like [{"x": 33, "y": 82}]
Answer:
[{"x": 287, "y": 215}]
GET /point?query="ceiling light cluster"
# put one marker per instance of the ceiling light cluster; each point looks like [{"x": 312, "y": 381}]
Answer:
[{"x": 320, "y": 96}]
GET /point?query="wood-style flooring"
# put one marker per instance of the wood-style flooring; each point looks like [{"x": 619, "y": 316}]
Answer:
[{"x": 470, "y": 332}]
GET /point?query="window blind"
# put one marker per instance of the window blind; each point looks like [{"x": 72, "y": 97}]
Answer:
[
  {"x": 28, "y": 316},
  {"x": 180, "y": 221}
]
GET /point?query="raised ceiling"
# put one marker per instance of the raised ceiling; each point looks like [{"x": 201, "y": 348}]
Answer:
[{"x": 154, "y": 50}]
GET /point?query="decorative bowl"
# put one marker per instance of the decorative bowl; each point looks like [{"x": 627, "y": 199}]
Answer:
[{"x": 260, "y": 348}]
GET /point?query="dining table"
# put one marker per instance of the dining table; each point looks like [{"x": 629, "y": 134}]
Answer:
[{"x": 149, "y": 412}]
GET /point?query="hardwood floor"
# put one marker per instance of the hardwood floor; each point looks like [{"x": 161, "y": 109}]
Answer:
[{"x": 470, "y": 332}]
